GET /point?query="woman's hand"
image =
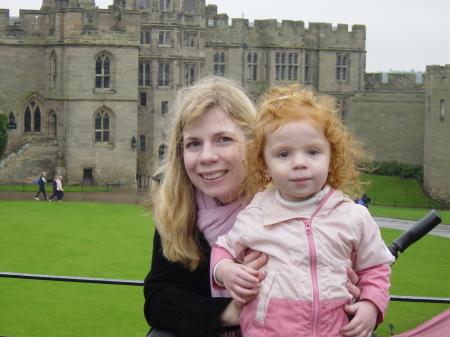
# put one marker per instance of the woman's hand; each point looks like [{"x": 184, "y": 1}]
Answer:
[
  {"x": 353, "y": 279},
  {"x": 351, "y": 284},
  {"x": 230, "y": 315}
]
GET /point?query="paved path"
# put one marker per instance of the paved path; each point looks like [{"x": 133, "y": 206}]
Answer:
[{"x": 137, "y": 196}]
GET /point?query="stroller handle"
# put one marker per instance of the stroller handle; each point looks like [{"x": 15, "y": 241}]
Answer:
[{"x": 416, "y": 232}]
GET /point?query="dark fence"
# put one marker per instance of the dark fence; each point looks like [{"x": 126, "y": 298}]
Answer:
[
  {"x": 140, "y": 283},
  {"x": 412, "y": 204}
]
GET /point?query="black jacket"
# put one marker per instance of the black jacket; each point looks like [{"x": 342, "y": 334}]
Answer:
[{"x": 179, "y": 300}]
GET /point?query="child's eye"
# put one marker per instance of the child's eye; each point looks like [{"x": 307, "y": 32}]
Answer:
[
  {"x": 313, "y": 152},
  {"x": 283, "y": 154}
]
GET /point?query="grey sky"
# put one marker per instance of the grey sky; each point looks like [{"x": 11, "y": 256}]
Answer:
[{"x": 401, "y": 34}]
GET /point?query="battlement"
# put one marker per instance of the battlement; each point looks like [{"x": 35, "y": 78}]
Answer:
[
  {"x": 288, "y": 33},
  {"x": 395, "y": 82},
  {"x": 71, "y": 25}
]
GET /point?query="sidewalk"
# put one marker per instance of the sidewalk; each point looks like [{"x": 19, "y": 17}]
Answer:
[{"x": 139, "y": 195}]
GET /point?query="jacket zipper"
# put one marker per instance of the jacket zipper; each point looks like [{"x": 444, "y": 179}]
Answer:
[
  {"x": 313, "y": 268},
  {"x": 315, "y": 283}
]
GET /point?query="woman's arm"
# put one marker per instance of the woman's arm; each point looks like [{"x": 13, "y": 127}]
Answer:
[{"x": 179, "y": 300}]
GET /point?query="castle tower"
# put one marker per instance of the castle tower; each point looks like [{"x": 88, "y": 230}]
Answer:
[{"x": 437, "y": 126}]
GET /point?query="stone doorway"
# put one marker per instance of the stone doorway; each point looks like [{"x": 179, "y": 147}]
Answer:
[{"x": 87, "y": 177}]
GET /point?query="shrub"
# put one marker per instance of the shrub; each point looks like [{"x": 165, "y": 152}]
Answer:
[{"x": 396, "y": 169}]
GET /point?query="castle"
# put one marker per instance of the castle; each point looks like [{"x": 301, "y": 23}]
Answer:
[{"x": 88, "y": 91}]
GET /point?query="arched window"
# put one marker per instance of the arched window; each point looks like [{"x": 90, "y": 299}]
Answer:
[
  {"x": 27, "y": 120},
  {"x": 102, "y": 71},
  {"x": 37, "y": 120},
  {"x": 102, "y": 122},
  {"x": 32, "y": 117}
]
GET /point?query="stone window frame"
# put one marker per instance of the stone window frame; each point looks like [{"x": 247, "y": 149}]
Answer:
[
  {"x": 142, "y": 143},
  {"x": 293, "y": 66},
  {"x": 190, "y": 73},
  {"x": 52, "y": 124},
  {"x": 164, "y": 5},
  {"x": 103, "y": 122},
  {"x": 144, "y": 74},
  {"x": 307, "y": 67},
  {"x": 144, "y": 5},
  {"x": 252, "y": 66},
  {"x": 219, "y": 63},
  {"x": 142, "y": 99},
  {"x": 53, "y": 69},
  {"x": 146, "y": 37},
  {"x": 342, "y": 67},
  {"x": 164, "y": 74},
  {"x": 190, "y": 40},
  {"x": 165, "y": 38},
  {"x": 287, "y": 66},
  {"x": 104, "y": 72},
  {"x": 190, "y": 6},
  {"x": 33, "y": 115},
  {"x": 164, "y": 108}
]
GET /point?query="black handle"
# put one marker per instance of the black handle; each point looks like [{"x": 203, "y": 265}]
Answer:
[{"x": 416, "y": 232}]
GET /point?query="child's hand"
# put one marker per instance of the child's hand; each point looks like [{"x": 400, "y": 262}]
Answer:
[
  {"x": 364, "y": 320},
  {"x": 241, "y": 282}
]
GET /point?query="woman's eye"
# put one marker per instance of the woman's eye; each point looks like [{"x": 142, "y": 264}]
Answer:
[
  {"x": 313, "y": 152},
  {"x": 192, "y": 144},
  {"x": 225, "y": 139}
]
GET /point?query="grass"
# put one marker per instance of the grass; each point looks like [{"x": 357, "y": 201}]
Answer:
[
  {"x": 395, "y": 191},
  {"x": 406, "y": 213},
  {"x": 114, "y": 241},
  {"x": 73, "y": 239},
  {"x": 422, "y": 270}
]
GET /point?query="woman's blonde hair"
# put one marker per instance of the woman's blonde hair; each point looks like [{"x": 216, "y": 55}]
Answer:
[
  {"x": 281, "y": 105},
  {"x": 173, "y": 198}
]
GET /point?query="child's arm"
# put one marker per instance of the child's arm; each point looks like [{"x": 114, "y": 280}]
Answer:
[{"x": 241, "y": 282}]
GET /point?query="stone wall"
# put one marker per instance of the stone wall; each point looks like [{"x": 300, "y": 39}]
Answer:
[
  {"x": 437, "y": 133},
  {"x": 26, "y": 163},
  {"x": 390, "y": 124}
]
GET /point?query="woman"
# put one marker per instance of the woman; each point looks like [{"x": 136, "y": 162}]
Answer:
[{"x": 196, "y": 200}]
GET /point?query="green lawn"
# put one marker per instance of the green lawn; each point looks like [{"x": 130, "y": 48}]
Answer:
[
  {"x": 73, "y": 239},
  {"x": 395, "y": 191},
  {"x": 114, "y": 241}
]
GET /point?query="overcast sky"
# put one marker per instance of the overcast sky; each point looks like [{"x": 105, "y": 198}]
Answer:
[{"x": 401, "y": 34}]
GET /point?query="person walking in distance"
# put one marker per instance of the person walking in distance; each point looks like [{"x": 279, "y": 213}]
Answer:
[
  {"x": 59, "y": 189},
  {"x": 41, "y": 184}
]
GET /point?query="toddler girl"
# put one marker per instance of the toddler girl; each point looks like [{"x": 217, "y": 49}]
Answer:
[{"x": 306, "y": 225}]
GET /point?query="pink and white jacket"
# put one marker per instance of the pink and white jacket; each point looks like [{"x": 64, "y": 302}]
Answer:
[{"x": 304, "y": 291}]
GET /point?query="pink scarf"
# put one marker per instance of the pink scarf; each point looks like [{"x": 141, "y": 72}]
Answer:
[{"x": 214, "y": 220}]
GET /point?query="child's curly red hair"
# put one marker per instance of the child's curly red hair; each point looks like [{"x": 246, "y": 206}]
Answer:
[{"x": 281, "y": 105}]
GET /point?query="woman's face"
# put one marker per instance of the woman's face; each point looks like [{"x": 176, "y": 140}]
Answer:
[{"x": 213, "y": 151}]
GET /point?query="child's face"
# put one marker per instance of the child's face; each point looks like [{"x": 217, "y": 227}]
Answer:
[{"x": 297, "y": 158}]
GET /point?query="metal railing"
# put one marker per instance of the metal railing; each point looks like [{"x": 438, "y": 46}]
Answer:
[{"x": 141, "y": 283}]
